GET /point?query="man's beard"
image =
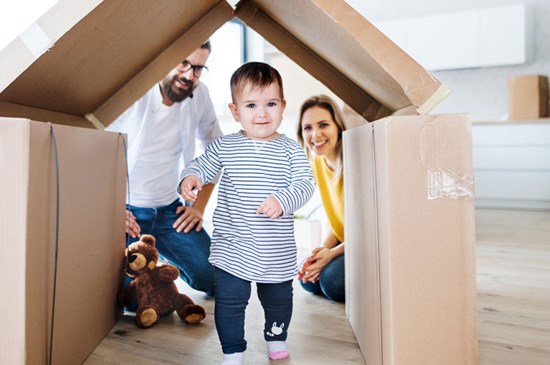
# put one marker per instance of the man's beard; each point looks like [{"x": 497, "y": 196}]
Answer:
[{"x": 179, "y": 94}]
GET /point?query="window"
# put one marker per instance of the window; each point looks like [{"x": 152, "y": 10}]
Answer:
[{"x": 228, "y": 54}]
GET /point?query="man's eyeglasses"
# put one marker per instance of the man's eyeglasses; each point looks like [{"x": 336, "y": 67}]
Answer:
[{"x": 185, "y": 66}]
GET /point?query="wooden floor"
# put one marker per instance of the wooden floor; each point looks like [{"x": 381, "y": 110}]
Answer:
[
  {"x": 513, "y": 279},
  {"x": 513, "y": 271}
]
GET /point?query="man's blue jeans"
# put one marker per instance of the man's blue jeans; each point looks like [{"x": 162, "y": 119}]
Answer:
[
  {"x": 331, "y": 283},
  {"x": 187, "y": 251},
  {"x": 232, "y": 295}
]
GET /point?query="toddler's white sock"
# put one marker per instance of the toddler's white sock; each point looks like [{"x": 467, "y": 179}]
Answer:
[
  {"x": 277, "y": 350},
  {"x": 236, "y": 358}
]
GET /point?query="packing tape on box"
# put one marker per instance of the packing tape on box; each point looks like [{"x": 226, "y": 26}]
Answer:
[
  {"x": 443, "y": 182},
  {"x": 36, "y": 40},
  {"x": 447, "y": 184}
]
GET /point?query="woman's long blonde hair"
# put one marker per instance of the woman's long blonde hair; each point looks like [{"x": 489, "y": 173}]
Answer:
[{"x": 324, "y": 102}]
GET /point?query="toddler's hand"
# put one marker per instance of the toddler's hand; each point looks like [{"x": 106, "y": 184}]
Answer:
[
  {"x": 270, "y": 207},
  {"x": 187, "y": 186}
]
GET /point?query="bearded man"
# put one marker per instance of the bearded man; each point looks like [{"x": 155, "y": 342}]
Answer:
[{"x": 162, "y": 127}]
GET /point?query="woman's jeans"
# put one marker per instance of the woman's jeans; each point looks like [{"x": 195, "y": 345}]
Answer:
[
  {"x": 331, "y": 283},
  {"x": 187, "y": 251},
  {"x": 232, "y": 295}
]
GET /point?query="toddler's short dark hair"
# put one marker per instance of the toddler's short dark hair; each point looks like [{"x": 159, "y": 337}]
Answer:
[{"x": 255, "y": 74}]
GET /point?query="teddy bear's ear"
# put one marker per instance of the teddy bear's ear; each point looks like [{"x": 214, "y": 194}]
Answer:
[{"x": 147, "y": 238}]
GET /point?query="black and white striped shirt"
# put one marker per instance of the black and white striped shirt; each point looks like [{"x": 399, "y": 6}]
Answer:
[{"x": 248, "y": 245}]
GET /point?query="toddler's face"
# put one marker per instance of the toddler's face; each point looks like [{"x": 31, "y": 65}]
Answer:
[{"x": 260, "y": 111}]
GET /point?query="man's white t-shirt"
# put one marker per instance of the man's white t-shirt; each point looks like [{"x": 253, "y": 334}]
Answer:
[{"x": 161, "y": 142}]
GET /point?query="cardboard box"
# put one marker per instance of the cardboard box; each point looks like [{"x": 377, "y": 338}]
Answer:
[
  {"x": 83, "y": 63},
  {"x": 410, "y": 241},
  {"x": 528, "y": 97},
  {"x": 90, "y": 228}
]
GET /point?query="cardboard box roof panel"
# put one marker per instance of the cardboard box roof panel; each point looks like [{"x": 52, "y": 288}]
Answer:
[
  {"x": 339, "y": 47},
  {"x": 110, "y": 57},
  {"x": 96, "y": 66}
]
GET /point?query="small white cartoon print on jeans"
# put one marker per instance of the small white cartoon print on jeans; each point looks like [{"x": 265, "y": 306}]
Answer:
[{"x": 275, "y": 331}]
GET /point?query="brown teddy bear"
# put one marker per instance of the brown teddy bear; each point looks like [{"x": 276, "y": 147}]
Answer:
[{"x": 153, "y": 287}]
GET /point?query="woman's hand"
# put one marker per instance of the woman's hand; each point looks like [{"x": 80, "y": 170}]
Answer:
[{"x": 314, "y": 264}]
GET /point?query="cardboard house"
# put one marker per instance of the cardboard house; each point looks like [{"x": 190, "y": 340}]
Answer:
[{"x": 83, "y": 63}]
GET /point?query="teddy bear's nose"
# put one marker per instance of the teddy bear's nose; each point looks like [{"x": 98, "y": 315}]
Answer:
[{"x": 132, "y": 258}]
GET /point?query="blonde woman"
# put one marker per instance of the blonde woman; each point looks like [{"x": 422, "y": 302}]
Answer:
[{"x": 319, "y": 131}]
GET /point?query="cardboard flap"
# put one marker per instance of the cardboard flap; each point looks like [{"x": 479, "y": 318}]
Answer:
[
  {"x": 102, "y": 63},
  {"x": 40, "y": 36},
  {"x": 340, "y": 48}
]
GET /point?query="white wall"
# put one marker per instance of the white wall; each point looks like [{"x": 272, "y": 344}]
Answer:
[
  {"x": 506, "y": 173},
  {"x": 483, "y": 92}
]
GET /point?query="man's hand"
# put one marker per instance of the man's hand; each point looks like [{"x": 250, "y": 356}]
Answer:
[
  {"x": 189, "y": 217},
  {"x": 270, "y": 207},
  {"x": 132, "y": 227}
]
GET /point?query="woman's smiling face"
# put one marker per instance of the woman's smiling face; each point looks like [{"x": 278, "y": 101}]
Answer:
[{"x": 320, "y": 132}]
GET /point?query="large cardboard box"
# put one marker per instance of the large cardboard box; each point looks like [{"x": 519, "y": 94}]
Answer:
[
  {"x": 74, "y": 222},
  {"x": 83, "y": 63},
  {"x": 527, "y": 97},
  {"x": 410, "y": 243}
]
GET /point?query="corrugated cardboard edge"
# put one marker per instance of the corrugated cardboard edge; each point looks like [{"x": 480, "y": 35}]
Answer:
[
  {"x": 12, "y": 226},
  {"x": 441, "y": 93},
  {"x": 360, "y": 192}
]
